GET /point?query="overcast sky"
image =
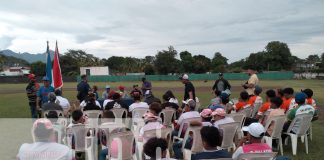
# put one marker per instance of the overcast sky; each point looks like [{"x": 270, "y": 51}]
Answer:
[{"x": 142, "y": 27}]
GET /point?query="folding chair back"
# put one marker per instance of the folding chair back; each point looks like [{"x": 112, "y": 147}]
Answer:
[
  {"x": 237, "y": 117},
  {"x": 303, "y": 121},
  {"x": 125, "y": 145},
  {"x": 59, "y": 113},
  {"x": 255, "y": 109},
  {"x": 186, "y": 123},
  {"x": 79, "y": 132},
  {"x": 168, "y": 115},
  {"x": 94, "y": 117},
  {"x": 196, "y": 143},
  {"x": 278, "y": 122},
  {"x": 119, "y": 112},
  {"x": 139, "y": 112},
  {"x": 229, "y": 131},
  {"x": 247, "y": 110},
  {"x": 257, "y": 156}
]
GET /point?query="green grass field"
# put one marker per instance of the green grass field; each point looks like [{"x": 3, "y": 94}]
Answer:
[{"x": 13, "y": 104}]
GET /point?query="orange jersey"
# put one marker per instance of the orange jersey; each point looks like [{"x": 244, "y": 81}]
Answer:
[
  {"x": 252, "y": 99},
  {"x": 285, "y": 104},
  {"x": 311, "y": 102},
  {"x": 240, "y": 105},
  {"x": 264, "y": 108}
]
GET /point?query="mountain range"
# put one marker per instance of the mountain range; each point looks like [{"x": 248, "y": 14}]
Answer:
[{"x": 30, "y": 58}]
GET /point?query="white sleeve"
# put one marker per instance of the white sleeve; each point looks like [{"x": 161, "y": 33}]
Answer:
[
  {"x": 180, "y": 120},
  {"x": 98, "y": 104},
  {"x": 237, "y": 153},
  {"x": 130, "y": 109},
  {"x": 82, "y": 104}
]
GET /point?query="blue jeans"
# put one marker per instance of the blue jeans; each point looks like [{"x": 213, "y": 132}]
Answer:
[
  {"x": 32, "y": 106},
  {"x": 103, "y": 153},
  {"x": 177, "y": 148}
]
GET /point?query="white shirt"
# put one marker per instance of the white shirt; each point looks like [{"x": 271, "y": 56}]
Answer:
[
  {"x": 223, "y": 121},
  {"x": 63, "y": 102},
  {"x": 173, "y": 100},
  {"x": 83, "y": 104},
  {"x": 44, "y": 150},
  {"x": 138, "y": 105},
  {"x": 106, "y": 101},
  {"x": 206, "y": 124},
  {"x": 184, "y": 116}
]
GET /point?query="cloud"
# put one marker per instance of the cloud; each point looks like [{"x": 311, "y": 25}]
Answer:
[
  {"x": 6, "y": 41},
  {"x": 139, "y": 28}
]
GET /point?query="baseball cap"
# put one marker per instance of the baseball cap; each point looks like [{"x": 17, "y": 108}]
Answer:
[
  {"x": 45, "y": 78},
  {"x": 121, "y": 87},
  {"x": 255, "y": 129},
  {"x": 224, "y": 95},
  {"x": 219, "y": 112},
  {"x": 107, "y": 86},
  {"x": 190, "y": 102},
  {"x": 47, "y": 123},
  {"x": 258, "y": 89},
  {"x": 31, "y": 76},
  {"x": 206, "y": 113},
  {"x": 220, "y": 74},
  {"x": 300, "y": 97},
  {"x": 184, "y": 76}
]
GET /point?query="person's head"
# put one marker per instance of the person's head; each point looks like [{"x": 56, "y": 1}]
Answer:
[
  {"x": 308, "y": 92},
  {"x": 184, "y": 78},
  {"x": 155, "y": 108},
  {"x": 244, "y": 96},
  {"x": 190, "y": 105},
  {"x": 107, "y": 88},
  {"x": 288, "y": 92},
  {"x": 91, "y": 98},
  {"x": 279, "y": 93},
  {"x": 168, "y": 95},
  {"x": 220, "y": 75},
  {"x": 205, "y": 114},
  {"x": 32, "y": 77},
  {"x": 251, "y": 70},
  {"x": 210, "y": 137},
  {"x": 94, "y": 88},
  {"x": 58, "y": 92},
  {"x": 143, "y": 79},
  {"x": 42, "y": 130},
  {"x": 217, "y": 93},
  {"x": 218, "y": 114},
  {"x": 84, "y": 78},
  {"x": 52, "y": 116},
  {"x": 224, "y": 98},
  {"x": 151, "y": 146},
  {"x": 270, "y": 94},
  {"x": 51, "y": 97},
  {"x": 135, "y": 86},
  {"x": 46, "y": 81},
  {"x": 255, "y": 132},
  {"x": 77, "y": 116},
  {"x": 300, "y": 98},
  {"x": 111, "y": 94},
  {"x": 121, "y": 88},
  {"x": 137, "y": 97},
  {"x": 116, "y": 96},
  {"x": 276, "y": 102},
  {"x": 108, "y": 116},
  {"x": 257, "y": 90}
]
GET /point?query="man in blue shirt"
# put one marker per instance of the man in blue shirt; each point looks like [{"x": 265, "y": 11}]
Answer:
[
  {"x": 42, "y": 93},
  {"x": 83, "y": 88}
]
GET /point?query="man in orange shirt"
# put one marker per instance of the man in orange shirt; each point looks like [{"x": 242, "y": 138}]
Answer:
[
  {"x": 256, "y": 98},
  {"x": 289, "y": 100},
  {"x": 266, "y": 106},
  {"x": 243, "y": 101}
]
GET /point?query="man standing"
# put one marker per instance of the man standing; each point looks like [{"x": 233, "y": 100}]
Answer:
[
  {"x": 189, "y": 92},
  {"x": 249, "y": 86},
  {"x": 42, "y": 94},
  {"x": 83, "y": 88},
  {"x": 221, "y": 84},
  {"x": 31, "y": 91},
  {"x": 146, "y": 85}
]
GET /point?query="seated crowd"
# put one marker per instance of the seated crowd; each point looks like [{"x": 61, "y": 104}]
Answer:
[{"x": 277, "y": 103}]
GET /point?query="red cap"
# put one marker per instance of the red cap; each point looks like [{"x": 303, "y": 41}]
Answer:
[
  {"x": 121, "y": 87},
  {"x": 31, "y": 76}
]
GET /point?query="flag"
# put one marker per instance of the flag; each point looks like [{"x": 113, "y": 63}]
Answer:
[
  {"x": 57, "y": 76},
  {"x": 48, "y": 65}
]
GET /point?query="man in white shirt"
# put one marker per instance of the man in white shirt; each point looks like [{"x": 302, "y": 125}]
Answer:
[
  {"x": 220, "y": 118},
  {"x": 44, "y": 147},
  {"x": 63, "y": 102},
  {"x": 138, "y": 103},
  {"x": 190, "y": 112}
]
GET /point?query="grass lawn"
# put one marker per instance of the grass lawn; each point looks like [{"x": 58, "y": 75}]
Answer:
[{"x": 15, "y": 105}]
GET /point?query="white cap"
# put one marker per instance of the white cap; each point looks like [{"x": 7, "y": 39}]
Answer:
[
  {"x": 185, "y": 76},
  {"x": 255, "y": 129},
  {"x": 190, "y": 102},
  {"x": 107, "y": 86}
]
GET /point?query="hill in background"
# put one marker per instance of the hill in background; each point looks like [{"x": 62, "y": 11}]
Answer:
[{"x": 30, "y": 58}]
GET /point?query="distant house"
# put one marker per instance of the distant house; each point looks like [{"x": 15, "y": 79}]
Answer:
[
  {"x": 15, "y": 71},
  {"x": 95, "y": 71},
  {"x": 306, "y": 66}
]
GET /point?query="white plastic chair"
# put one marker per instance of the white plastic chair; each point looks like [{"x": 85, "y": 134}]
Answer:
[
  {"x": 255, "y": 109},
  {"x": 119, "y": 113},
  {"x": 238, "y": 117},
  {"x": 257, "y": 156},
  {"x": 59, "y": 113},
  {"x": 196, "y": 144},
  {"x": 279, "y": 122},
  {"x": 185, "y": 123},
  {"x": 125, "y": 152},
  {"x": 137, "y": 118},
  {"x": 93, "y": 117},
  {"x": 59, "y": 130},
  {"x": 228, "y": 132},
  {"x": 168, "y": 115},
  {"x": 247, "y": 110},
  {"x": 82, "y": 142},
  {"x": 304, "y": 121}
]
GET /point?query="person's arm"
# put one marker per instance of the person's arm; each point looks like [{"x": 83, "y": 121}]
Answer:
[
  {"x": 237, "y": 153},
  {"x": 228, "y": 84},
  {"x": 191, "y": 95},
  {"x": 214, "y": 86}
]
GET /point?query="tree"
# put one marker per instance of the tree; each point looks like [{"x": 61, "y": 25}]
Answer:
[
  {"x": 165, "y": 61},
  {"x": 186, "y": 62},
  {"x": 38, "y": 68},
  {"x": 322, "y": 58},
  {"x": 237, "y": 66},
  {"x": 218, "y": 63},
  {"x": 258, "y": 60},
  {"x": 278, "y": 56},
  {"x": 201, "y": 64},
  {"x": 149, "y": 69},
  {"x": 313, "y": 59}
]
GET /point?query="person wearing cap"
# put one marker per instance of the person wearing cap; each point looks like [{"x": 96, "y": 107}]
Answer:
[
  {"x": 256, "y": 98},
  {"x": 91, "y": 98},
  {"x": 302, "y": 108},
  {"x": 219, "y": 117},
  {"x": 83, "y": 88},
  {"x": 252, "y": 143},
  {"x": 189, "y": 91},
  {"x": 105, "y": 93},
  {"x": 123, "y": 93},
  {"x": 51, "y": 105},
  {"x": 146, "y": 85},
  {"x": 249, "y": 86},
  {"x": 116, "y": 102},
  {"x": 31, "y": 91},
  {"x": 206, "y": 117},
  {"x": 43, "y": 92},
  {"x": 221, "y": 84},
  {"x": 44, "y": 146}
]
